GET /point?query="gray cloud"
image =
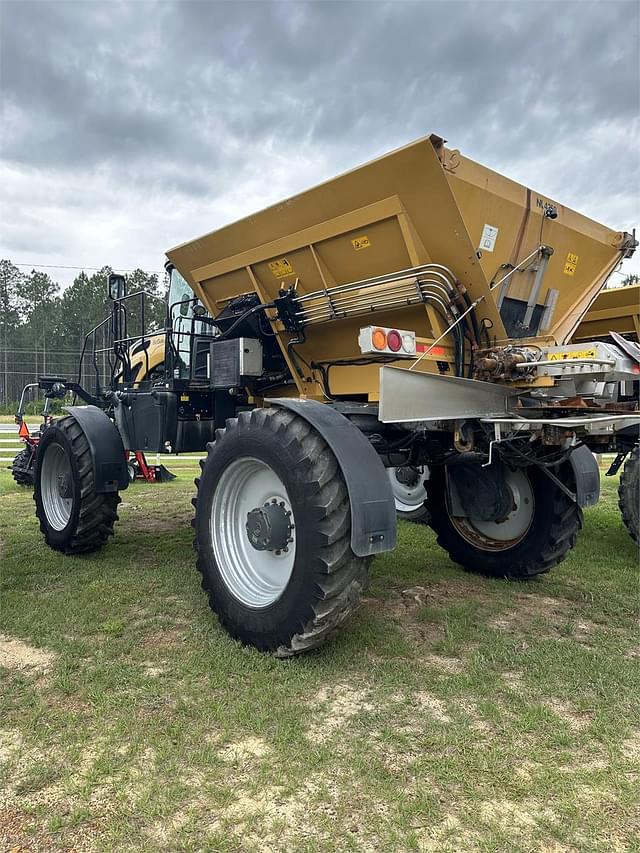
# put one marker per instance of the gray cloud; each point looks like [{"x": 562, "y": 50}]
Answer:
[{"x": 163, "y": 120}]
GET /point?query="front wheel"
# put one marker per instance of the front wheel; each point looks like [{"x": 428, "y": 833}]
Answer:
[
  {"x": 73, "y": 518},
  {"x": 536, "y": 534},
  {"x": 273, "y": 533}
]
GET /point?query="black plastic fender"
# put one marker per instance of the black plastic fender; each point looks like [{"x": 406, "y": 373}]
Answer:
[
  {"x": 107, "y": 450},
  {"x": 373, "y": 509},
  {"x": 587, "y": 476}
]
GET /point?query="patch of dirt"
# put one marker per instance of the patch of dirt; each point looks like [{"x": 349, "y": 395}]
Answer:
[
  {"x": 418, "y": 595},
  {"x": 558, "y": 614},
  {"x": 576, "y": 721},
  {"x": 270, "y": 820},
  {"x": 403, "y": 606},
  {"x": 144, "y": 764},
  {"x": 477, "y": 722},
  {"x": 525, "y": 769},
  {"x": 16, "y": 833},
  {"x": 166, "y": 638},
  {"x": 436, "y": 707},
  {"x": 15, "y": 654},
  {"x": 11, "y": 744},
  {"x": 452, "y": 666},
  {"x": 448, "y": 836},
  {"x": 152, "y": 669},
  {"x": 514, "y": 681},
  {"x": 398, "y": 760},
  {"x": 336, "y": 706},
  {"x": 164, "y": 524},
  {"x": 631, "y": 747},
  {"x": 594, "y": 765},
  {"x": 243, "y": 750},
  {"x": 515, "y": 818}
]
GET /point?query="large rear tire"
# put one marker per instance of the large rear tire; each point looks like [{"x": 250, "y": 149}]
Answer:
[
  {"x": 273, "y": 533},
  {"x": 537, "y": 535},
  {"x": 629, "y": 494},
  {"x": 73, "y": 518},
  {"x": 409, "y": 492},
  {"x": 22, "y": 466}
]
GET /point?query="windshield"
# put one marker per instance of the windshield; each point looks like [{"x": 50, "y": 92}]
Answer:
[
  {"x": 179, "y": 292},
  {"x": 181, "y": 302}
]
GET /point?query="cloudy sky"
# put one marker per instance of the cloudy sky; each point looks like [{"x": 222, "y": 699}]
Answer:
[{"x": 130, "y": 127}]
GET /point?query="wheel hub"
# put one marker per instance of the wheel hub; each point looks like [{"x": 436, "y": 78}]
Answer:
[
  {"x": 251, "y": 505},
  {"x": 407, "y": 475},
  {"x": 65, "y": 489},
  {"x": 506, "y": 531},
  {"x": 269, "y": 527}
]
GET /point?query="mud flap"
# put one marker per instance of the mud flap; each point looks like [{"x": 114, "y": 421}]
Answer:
[
  {"x": 373, "y": 508},
  {"x": 587, "y": 476}
]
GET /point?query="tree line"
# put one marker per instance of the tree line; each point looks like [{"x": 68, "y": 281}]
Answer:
[{"x": 43, "y": 326}]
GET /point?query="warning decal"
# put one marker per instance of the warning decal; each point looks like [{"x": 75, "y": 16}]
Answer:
[
  {"x": 570, "y": 264},
  {"x": 361, "y": 243},
  {"x": 564, "y": 356},
  {"x": 281, "y": 268},
  {"x": 489, "y": 237}
]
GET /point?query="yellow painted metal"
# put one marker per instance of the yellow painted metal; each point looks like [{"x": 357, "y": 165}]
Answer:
[
  {"x": 420, "y": 204},
  {"x": 615, "y": 310},
  {"x": 144, "y": 363}
]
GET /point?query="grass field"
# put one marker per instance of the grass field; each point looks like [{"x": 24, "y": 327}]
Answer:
[{"x": 453, "y": 713}]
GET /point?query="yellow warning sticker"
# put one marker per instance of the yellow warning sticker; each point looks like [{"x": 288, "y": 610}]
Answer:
[
  {"x": 281, "y": 268},
  {"x": 362, "y": 242},
  {"x": 570, "y": 264},
  {"x": 564, "y": 356}
]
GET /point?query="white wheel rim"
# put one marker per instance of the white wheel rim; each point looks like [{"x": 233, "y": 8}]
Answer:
[
  {"x": 257, "y": 578},
  {"x": 56, "y": 483},
  {"x": 408, "y": 496},
  {"x": 498, "y": 536}
]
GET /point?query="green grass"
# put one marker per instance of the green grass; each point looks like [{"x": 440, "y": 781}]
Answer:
[{"x": 452, "y": 712}]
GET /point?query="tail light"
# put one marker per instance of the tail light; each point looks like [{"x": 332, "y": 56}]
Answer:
[{"x": 381, "y": 341}]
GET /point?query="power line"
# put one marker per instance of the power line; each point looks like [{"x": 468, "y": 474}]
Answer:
[{"x": 82, "y": 269}]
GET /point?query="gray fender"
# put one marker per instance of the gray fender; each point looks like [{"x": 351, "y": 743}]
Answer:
[
  {"x": 587, "y": 476},
  {"x": 373, "y": 508},
  {"x": 107, "y": 451}
]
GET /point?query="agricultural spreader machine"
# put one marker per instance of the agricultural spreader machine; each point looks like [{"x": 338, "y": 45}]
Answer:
[{"x": 415, "y": 313}]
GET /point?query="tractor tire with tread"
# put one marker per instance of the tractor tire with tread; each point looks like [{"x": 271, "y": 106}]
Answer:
[
  {"x": 629, "y": 494},
  {"x": 90, "y": 517},
  {"x": 326, "y": 577},
  {"x": 552, "y": 533},
  {"x": 22, "y": 467}
]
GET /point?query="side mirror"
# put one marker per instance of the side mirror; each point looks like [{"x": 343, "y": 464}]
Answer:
[{"x": 116, "y": 286}]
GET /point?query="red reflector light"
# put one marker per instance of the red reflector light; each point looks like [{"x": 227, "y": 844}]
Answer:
[{"x": 394, "y": 341}]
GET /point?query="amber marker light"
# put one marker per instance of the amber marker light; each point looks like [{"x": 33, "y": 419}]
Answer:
[{"x": 379, "y": 339}]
